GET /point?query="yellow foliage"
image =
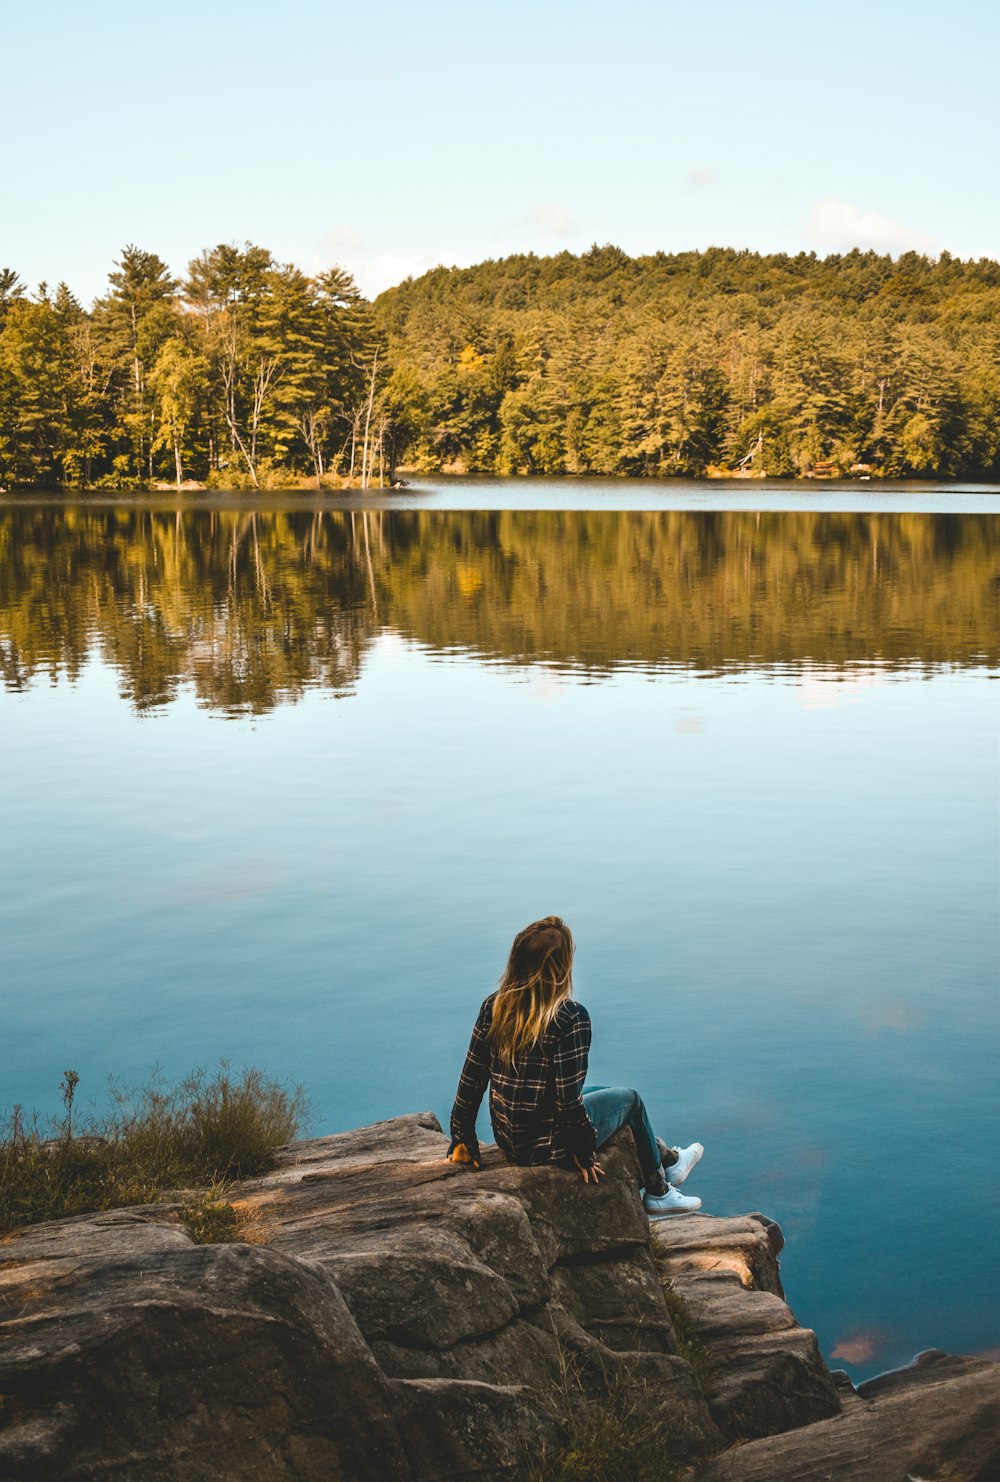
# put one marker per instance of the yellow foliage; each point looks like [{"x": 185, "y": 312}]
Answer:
[{"x": 470, "y": 361}]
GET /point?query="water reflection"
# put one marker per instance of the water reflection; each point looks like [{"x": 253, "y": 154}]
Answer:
[{"x": 254, "y": 607}]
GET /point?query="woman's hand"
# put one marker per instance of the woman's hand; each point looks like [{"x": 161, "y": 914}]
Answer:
[
  {"x": 590, "y": 1174},
  {"x": 460, "y": 1152}
]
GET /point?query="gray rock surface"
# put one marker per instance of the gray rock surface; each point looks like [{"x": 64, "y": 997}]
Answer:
[
  {"x": 766, "y": 1372},
  {"x": 185, "y": 1361},
  {"x": 936, "y": 1421},
  {"x": 407, "y": 1319},
  {"x": 492, "y": 1276}
]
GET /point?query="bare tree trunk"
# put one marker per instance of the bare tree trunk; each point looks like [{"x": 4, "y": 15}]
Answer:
[
  {"x": 266, "y": 370},
  {"x": 368, "y": 418},
  {"x": 262, "y": 381},
  {"x": 137, "y": 376},
  {"x": 312, "y": 425},
  {"x": 251, "y": 466},
  {"x": 177, "y": 461}
]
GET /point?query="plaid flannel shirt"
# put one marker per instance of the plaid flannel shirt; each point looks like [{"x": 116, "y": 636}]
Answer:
[{"x": 536, "y": 1105}]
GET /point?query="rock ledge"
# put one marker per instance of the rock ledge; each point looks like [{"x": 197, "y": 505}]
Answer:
[{"x": 407, "y": 1319}]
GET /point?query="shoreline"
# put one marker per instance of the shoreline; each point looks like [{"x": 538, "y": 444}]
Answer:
[
  {"x": 454, "y": 494},
  {"x": 416, "y": 481}
]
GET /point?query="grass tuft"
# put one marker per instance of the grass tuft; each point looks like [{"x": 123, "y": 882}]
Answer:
[
  {"x": 200, "y": 1132},
  {"x": 211, "y": 1220},
  {"x": 690, "y": 1347},
  {"x": 612, "y": 1435}
]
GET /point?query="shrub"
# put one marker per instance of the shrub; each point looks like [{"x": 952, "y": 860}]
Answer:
[{"x": 204, "y": 1130}]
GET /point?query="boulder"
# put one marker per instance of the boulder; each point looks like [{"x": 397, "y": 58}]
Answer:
[
  {"x": 492, "y": 1275},
  {"x": 164, "y": 1359}
]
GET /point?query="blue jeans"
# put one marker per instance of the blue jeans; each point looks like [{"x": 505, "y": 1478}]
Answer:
[{"x": 612, "y": 1107}]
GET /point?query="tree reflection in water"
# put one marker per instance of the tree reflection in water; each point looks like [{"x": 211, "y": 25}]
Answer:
[{"x": 253, "y": 607}]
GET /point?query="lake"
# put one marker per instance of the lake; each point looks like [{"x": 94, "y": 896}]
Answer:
[{"x": 282, "y": 779}]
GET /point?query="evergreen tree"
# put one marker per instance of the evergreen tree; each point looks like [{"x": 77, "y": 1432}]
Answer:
[
  {"x": 133, "y": 322},
  {"x": 38, "y": 411},
  {"x": 686, "y": 364}
]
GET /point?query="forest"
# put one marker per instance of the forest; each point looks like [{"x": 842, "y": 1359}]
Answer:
[{"x": 249, "y": 373}]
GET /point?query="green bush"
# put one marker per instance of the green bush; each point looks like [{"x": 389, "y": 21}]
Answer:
[{"x": 203, "y": 1130}]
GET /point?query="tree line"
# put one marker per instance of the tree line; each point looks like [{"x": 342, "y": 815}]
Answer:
[
  {"x": 251, "y": 373},
  {"x": 245, "y": 374},
  {"x": 721, "y": 362}
]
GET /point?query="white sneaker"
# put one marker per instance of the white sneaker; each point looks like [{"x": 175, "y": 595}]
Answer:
[
  {"x": 672, "y": 1202},
  {"x": 687, "y": 1157}
]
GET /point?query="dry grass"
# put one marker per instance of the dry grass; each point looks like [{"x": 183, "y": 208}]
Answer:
[
  {"x": 200, "y": 1132},
  {"x": 612, "y": 1431},
  {"x": 611, "y": 1427}
]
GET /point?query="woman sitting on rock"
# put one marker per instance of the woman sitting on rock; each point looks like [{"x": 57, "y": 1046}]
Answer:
[{"x": 530, "y": 1044}]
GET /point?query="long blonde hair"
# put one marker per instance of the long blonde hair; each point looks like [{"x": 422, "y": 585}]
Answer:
[{"x": 536, "y": 982}]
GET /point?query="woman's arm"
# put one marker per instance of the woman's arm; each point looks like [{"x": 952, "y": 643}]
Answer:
[
  {"x": 574, "y": 1128},
  {"x": 472, "y": 1084}
]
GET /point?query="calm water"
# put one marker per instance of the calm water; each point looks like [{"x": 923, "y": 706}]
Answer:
[
  {"x": 280, "y": 786},
  {"x": 875, "y": 496}
]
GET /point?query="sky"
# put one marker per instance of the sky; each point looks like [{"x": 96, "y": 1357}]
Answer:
[{"x": 389, "y": 136}]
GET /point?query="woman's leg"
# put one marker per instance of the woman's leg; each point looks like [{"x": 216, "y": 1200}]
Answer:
[{"x": 612, "y": 1107}]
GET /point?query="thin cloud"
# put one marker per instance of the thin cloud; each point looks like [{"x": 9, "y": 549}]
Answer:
[
  {"x": 839, "y": 226},
  {"x": 374, "y": 270},
  {"x": 553, "y": 217},
  {"x": 386, "y": 269},
  {"x": 701, "y": 178}
]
